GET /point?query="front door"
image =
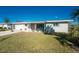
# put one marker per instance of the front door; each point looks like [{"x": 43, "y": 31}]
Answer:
[{"x": 33, "y": 27}]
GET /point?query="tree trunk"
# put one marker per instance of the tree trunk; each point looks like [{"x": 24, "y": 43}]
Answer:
[{"x": 11, "y": 27}]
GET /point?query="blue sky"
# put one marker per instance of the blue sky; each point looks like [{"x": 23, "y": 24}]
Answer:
[{"x": 35, "y": 13}]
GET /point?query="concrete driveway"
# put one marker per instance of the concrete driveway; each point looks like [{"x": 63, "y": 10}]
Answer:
[{"x": 2, "y": 33}]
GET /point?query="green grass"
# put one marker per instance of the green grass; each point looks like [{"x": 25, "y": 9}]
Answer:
[{"x": 32, "y": 42}]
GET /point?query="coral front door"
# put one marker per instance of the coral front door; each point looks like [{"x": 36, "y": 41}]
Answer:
[{"x": 33, "y": 27}]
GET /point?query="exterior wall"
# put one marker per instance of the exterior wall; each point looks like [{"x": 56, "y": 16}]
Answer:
[
  {"x": 0, "y": 25},
  {"x": 4, "y": 26},
  {"x": 22, "y": 27},
  {"x": 62, "y": 27}
]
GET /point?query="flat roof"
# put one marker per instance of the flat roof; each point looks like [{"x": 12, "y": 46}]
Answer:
[
  {"x": 60, "y": 21},
  {"x": 43, "y": 21}
]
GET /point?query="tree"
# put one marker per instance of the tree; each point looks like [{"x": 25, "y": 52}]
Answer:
[
  {"x": 7, "y": 21},
  {"x": 75, "y": 16}
]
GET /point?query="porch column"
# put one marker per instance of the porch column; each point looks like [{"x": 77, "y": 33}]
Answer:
[
  {"x": 35, "y": 27},
  {"x": 44, "y": 26}
]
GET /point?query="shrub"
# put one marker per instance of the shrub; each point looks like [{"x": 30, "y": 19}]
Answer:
[
  {"x": 3, "y": 29},
  {"x": 49, "y": 30},
  {"x": 68, "y": 37}
]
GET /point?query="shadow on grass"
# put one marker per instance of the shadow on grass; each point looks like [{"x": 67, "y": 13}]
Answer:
[
  {"x": 4, "y": 38},
  {"x": 63, "y": 39}
]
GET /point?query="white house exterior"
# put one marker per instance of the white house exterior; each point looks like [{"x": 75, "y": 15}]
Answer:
[
  {"x": 4, "y": 25},
  {"x": 60, "y": 27},
  {"x": 57, "y": 25}
]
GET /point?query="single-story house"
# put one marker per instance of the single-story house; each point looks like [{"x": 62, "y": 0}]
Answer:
[{"x": 57, "y": 25}]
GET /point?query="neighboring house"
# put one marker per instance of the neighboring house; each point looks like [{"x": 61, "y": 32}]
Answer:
[
  {"x": 4, "y": 25},
  {"x": 57, "y": 25}
]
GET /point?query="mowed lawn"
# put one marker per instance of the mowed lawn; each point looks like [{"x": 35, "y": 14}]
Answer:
[{"x": 32, "y": 42}]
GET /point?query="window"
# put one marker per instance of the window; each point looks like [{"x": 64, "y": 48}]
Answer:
[{"x": 56, "y": 24}]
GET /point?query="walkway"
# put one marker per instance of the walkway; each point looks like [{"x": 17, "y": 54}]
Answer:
[{"x": 2, "y": 33}]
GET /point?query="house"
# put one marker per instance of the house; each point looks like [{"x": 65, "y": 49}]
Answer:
[
  {"x": 57, "y": 25},
  {"x": 4, "y": 25}
]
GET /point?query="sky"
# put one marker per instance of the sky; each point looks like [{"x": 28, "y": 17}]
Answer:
[{"x": 35, "y": 13}]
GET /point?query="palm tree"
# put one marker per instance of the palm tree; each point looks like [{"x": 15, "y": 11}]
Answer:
[
  {"x": 75, "y": 16},
  {"x": 7, "y": 21}
]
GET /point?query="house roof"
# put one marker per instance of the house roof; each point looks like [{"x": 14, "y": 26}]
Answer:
[
  {"x": 45, "y": 21},
  {"x": 60, "y": 21},
  {"x": 54, "y": 21}
]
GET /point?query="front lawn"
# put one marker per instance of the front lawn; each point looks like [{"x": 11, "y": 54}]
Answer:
[{"x": 32, "y": 42}]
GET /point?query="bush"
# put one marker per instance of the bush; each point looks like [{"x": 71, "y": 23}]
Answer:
[
  {"x": 74, "y": 40},
  {"x": 74, "y": 35},
  {"x": 49, "y": 30},
  {"x": 3, "y": 29},
  {"x": 68, "y": 37}
]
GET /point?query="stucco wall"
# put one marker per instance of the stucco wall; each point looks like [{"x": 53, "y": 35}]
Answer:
[
  {"x": 22, "y": 27},
  {"x": 5, "y": 26},
  {"x": 62, "y": 27}
]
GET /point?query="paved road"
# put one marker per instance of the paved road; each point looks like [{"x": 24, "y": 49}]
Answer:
[{"x": 7, "y": 33}]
